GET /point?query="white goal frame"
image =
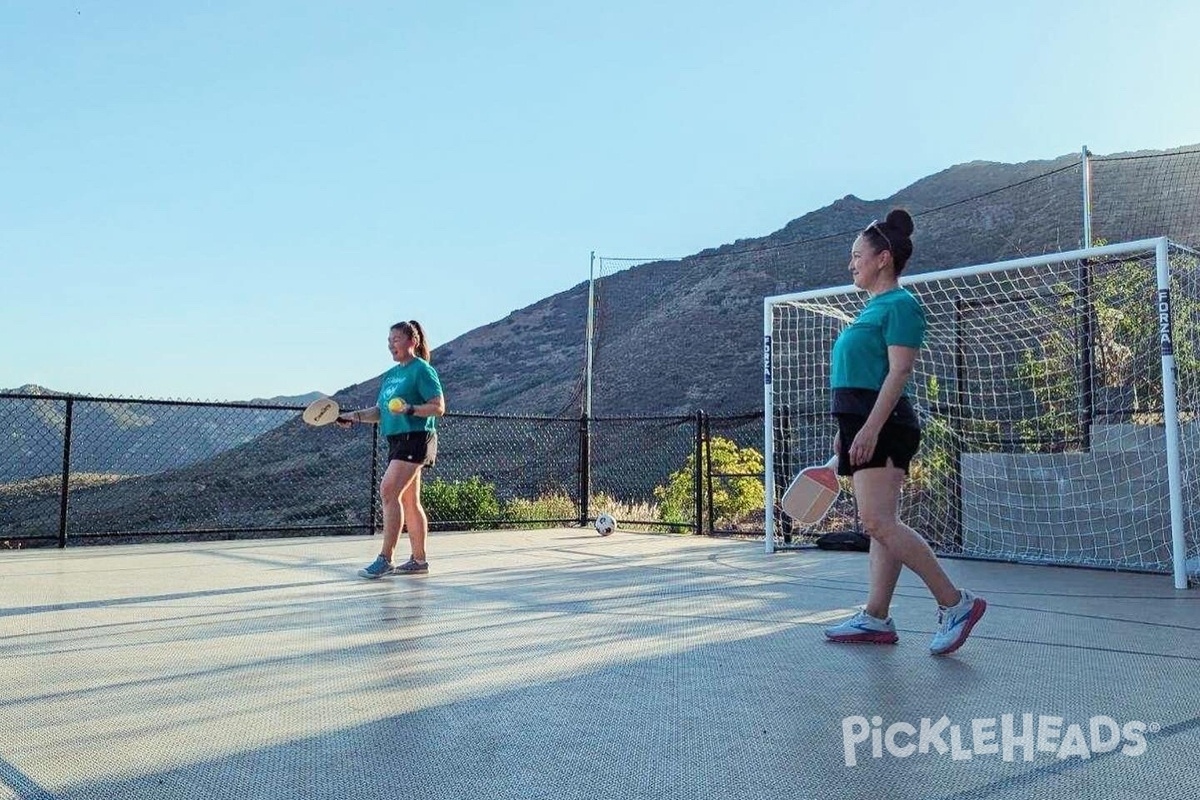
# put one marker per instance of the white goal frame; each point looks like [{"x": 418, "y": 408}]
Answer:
[{"x": 1158, "y": 247}]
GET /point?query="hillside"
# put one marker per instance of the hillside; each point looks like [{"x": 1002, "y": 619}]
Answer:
[{"x": 680, "y": 335}]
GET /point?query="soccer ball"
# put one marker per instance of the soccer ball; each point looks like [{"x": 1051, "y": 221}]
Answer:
[{"x": 605, "y": 524}]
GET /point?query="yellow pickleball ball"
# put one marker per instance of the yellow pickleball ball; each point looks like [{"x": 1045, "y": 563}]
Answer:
[{"x": 395, "y": 405}]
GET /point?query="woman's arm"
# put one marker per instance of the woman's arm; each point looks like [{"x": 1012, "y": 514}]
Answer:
[
  {"x": 365, "y": 415},
  {"x": 900, "y": 366},
  {"x": 433, "y": 407}
]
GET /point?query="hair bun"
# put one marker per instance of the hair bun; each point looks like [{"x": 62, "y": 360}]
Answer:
[{"x": 900, "y": 220}]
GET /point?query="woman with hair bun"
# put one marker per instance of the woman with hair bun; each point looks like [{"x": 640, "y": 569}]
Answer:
[{"x": 879, "y": 433}]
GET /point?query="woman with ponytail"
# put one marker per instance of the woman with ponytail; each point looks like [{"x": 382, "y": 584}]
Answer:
[
  {"x": 409, "y": 403},
  {"x": 878, "y": 435}
]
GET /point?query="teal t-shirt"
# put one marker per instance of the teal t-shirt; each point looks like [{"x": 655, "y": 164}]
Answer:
[
  {"x": 860, "y": 356},
  {"x": 415, "y": 383}
]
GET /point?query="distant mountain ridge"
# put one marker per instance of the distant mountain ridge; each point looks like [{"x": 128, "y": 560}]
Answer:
[
  {"x": 286, "y": 399},
  {"x": 126, "y": 437},
  {"x": 279, "y": 400},
  {"x": 674, "y": 336}
]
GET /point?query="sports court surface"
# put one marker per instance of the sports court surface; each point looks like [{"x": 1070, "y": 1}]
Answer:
[{"x": 556, "y": 664}]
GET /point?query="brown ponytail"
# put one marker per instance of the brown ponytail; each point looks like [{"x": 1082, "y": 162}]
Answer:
[{"x": 413, "y": 330}]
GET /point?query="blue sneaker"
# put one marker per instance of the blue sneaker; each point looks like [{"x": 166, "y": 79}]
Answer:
[
  {"x": 376, "y": 569},
  {"x": 862, "y": 627},
  {"x": 412, "y": 567},
  {"x": 955, "y": 623}
]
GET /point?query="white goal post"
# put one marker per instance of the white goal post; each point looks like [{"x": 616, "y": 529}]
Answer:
[{"x": 1059, "y": 397}]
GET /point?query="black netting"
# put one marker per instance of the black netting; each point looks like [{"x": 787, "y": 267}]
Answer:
[
  {"x": 642, "y": 469},
  {"x": 150, "y": 467},
  {"x": 733, "y": 468},
  {"x": 717, "y": 294},
  {"x": 31, "y": 467},
  {"x": 161, "y": 469},
  {"x": 1170, "y": 182},
  {"x": 499, "y": 471}
]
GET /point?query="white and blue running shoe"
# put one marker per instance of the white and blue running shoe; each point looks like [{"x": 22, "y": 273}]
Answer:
[
  {"x": 955, "y": 623},
  {"x": 862, "y": 627}
]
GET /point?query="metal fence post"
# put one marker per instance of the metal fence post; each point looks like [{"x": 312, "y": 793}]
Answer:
[
  {"x": 699, "y": 472},
  {"x": 374, "y": 478},
  {"x": 66, "y": 475},
  {"x": 585, "y": 470},
  {"x": 708, "y": 470},
  {"x": 1086, "y": 324},
  {"x": 781, "y": 468}
]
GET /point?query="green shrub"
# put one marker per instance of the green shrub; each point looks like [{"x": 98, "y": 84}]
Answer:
[
  {"x": 732, "y": 498},
  {"x": 472, "y": 502}
]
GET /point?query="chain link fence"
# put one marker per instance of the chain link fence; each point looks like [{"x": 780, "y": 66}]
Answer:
[
  {"x": 90, "y": 469},
  {"x": 642, "y": 470},
  {"x": 114, "y": 468},
  {"x": 499, "y": 470}
]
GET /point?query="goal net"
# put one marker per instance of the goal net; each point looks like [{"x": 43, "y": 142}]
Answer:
[{"x": 1058, "y": 397}]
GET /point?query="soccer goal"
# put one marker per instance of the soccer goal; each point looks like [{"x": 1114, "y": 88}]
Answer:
[{"x": 1058, "y": 397}]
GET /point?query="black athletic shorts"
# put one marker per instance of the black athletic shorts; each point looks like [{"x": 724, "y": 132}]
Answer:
[
  {"x": 416, "y": 448},
  {"x": 896, "y": 442}
]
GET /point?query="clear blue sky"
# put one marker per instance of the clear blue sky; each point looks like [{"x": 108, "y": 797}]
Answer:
[{"x": 225, "y": 200}]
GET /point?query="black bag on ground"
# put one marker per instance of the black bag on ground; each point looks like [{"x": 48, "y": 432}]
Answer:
[{"x": 844, "y": 540}]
